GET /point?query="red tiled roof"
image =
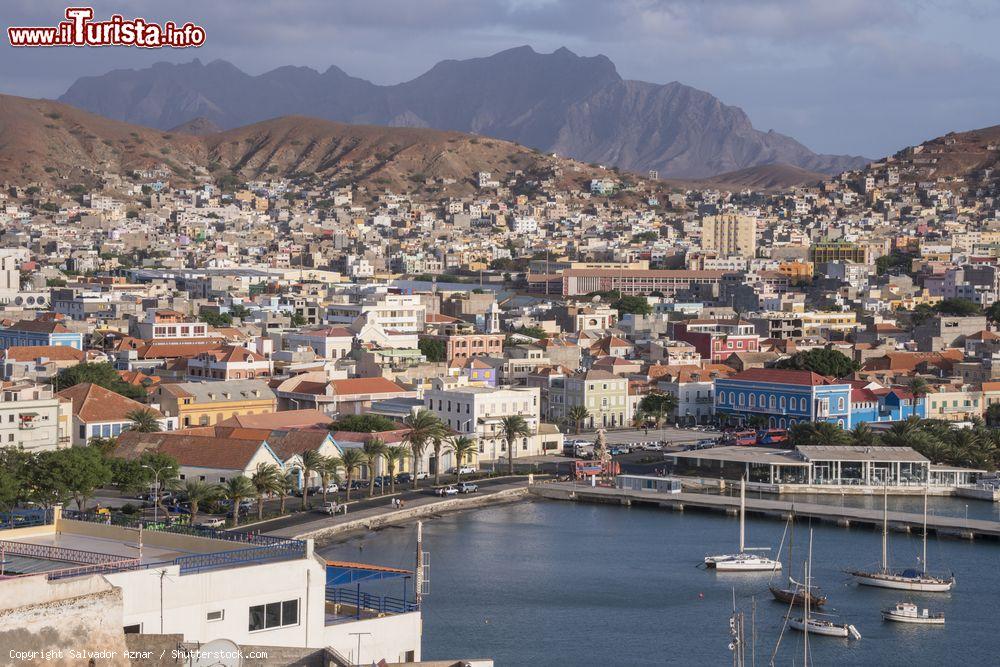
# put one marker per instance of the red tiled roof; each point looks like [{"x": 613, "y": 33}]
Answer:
[
  {"x": 93, "y": 403},
  {"x": 50, "y": 352},
  {"x": 783, "y": 376},
  {"x": 191, "y": 450},
  {"x": 365, "y": 386}
]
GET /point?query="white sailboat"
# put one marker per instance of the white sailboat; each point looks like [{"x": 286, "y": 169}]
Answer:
[
  {"x": 744, "y": 560},
  {"x": 908, "y": 579},
  {"x": 808, "y": 624}
]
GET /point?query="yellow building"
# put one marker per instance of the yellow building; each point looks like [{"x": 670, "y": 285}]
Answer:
[
  {"x": 796, "y": 271},
  {"x": 821, "y": 323},
  {"x": 208, "y": 403},
  {"x": 955, "y": 405},
  {"x": 729, "y": 235}
]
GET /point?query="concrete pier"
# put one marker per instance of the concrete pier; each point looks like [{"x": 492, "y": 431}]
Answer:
[{"x": 844, "y": 517}]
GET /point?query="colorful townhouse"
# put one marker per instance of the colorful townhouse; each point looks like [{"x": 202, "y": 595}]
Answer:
[
  {"x": 27, "y": 333},
  {"x": 782, "y": 397}
]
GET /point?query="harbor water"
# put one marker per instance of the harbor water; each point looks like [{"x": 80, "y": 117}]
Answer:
[{"x": 561, "y": 583}]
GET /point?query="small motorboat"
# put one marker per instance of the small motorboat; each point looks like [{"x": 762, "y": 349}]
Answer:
[
  {"x": 907, "y": 612},
  {"x": 819, "y": 626}
]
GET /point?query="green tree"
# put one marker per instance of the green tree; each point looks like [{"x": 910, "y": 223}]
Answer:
[
  {"x": 862, "y": 435},
  {"x": 236, "y": 490},
  {"x": 266, "y": 480},
  {"x": 351, "y": 460},
  {"x": 637, "y": 305},
  {"x": 197, "y": 493},
  {"x": 144, "y": 421},
  {"x": 366, "y": 423},
  {"x": 311, "y": 462},
  {"x": 433, "y": 349},
  {"x": 285, "y": 488},
  {"x": 393, "y": 455},
  {"x": 577, "y": 415},
  {"x": 10, "y": 490},
  {"x": 513, "y": 427},
  {"x": 102, "y": 374},
  {"x": 831, "y": 363},
  {"x": 463, "y": 447},
  {"x": 217, "y": 320},
  {"x": 374, "y": 450},
  {"x": 811, "y": 434},
  {"x": 423, "y": 426},
  {"x": 329, "y": 472},
  {"x": 658, "y": 405},
  {"x": 81, "y": 470},
  {"x": 993, "y": 313},
  {"x": 960, "y": 307}
]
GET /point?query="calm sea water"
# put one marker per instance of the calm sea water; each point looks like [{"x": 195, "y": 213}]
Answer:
[{"x": 558, "y": 583}]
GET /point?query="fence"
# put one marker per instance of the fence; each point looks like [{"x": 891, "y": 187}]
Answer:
[
  {"x": 24, "y": 518},
  {"x": 381, "y": 604},
  {"x": 180, "y": 529},
  {"x": 286, "y": 550},
  {"x": 56, "y": 553}
]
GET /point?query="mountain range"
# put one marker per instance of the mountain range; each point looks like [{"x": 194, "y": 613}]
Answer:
[
  {"x": 46, "y": 141},
  {"x": 558, "y": 102}
]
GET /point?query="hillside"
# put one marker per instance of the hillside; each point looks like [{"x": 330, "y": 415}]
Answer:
[
  {"x": 557, "y": 102},
  {"x": 51, "y": 142},
  {"x": 957, "y": 157},
  {"x": 767, "y": 177}
]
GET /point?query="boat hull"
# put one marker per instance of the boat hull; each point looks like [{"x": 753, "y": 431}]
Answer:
[
  {"x": 916, "y": 620},
  {"x": 832, "y": 630},
  {"x": 919, "y": 584},
  {"x": 797, "y": 597},
  {"x": 742, "y": 563}
]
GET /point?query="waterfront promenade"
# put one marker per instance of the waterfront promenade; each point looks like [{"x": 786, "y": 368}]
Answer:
[
  {"x": 777, "y": 509},
  {"x": 368, "y": 514}
]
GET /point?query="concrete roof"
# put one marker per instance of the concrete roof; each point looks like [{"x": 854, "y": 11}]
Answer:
[
  {"x": 860, "y": 453},
  {"x": 743, "y": 455}
]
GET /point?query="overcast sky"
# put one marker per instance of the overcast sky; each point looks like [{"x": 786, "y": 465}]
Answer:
[{"x": 842, "y": 76}]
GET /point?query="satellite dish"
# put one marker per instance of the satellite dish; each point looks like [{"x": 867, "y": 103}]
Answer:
[{"x": 216, "y": 653}]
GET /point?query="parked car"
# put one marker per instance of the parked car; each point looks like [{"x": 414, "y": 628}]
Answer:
[
  {"x": 468, "y": 487},
  {"x": 463, "y": 470},
  {"x": 446, "y": 491},
  {"x": 616, "y": 451},
  {"x": 333, "y": 507},
  {"x": 212, "y": 523},
  {"x": 653, "y": 447},
  {"x": 332, "y": 487},
  {"x": 423, "y": 474},
  {"x": 404, "y": 478}
]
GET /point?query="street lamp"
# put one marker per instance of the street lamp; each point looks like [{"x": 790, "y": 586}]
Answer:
[{"x": 156, "y": 485}]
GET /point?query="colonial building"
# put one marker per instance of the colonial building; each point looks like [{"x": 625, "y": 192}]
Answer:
[{"x": 782, "y": 398}]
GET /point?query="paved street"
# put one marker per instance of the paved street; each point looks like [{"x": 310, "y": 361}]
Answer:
[
  {"x": 668, "y": 433},
  {"x": 294, "y": 524}
]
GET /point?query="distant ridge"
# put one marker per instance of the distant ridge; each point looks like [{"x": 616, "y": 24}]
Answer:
[
  {"x": 558, "y": 102},
  {"x": 199, "y": 127}
]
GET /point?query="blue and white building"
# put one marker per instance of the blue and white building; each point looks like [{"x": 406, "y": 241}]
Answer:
[
  {"x": 872, "y": 403},
  {"x": 39, "y": 332},
  {"x": 782, "y": 397}
]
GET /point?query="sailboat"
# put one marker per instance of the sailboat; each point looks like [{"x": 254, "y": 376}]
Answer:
[
  {"x": 794, "y": 593},
  {"x": 908, "y": 579},
  {"x": 807, "y": 624},
  {"x": 744, "y": 560}
]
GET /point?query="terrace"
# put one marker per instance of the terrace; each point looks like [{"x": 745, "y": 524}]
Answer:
[{"x": 62, "y": 543}]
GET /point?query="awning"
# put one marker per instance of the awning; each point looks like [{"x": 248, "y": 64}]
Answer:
[{"x": 339, "y": 573}]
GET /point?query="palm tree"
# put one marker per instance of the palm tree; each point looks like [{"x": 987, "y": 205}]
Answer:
[
  {"x": 311, "y": 462},
  {"x": 351, "y": 460},
  {"x": 817, "y": 433},
  {"x": 197, "y": 492},
  {"x": 144, "y": 420},
  {"x": 285, "y": 486},
  {"x": 513, "y": 427},
  {"x": 266, "y": 479},
  {"x": 463, "y": 447},
  {"x": 658, "y": 405},
  {"x": 919, "y": 387},
  {"x": 329, "y": 471},
  {"x": 235, "y": 490},
  {"x": 423, "y": 427},
  {"x": 373, "y": 450},
  {"x": 393, "y": 455},
  {"x": 862, "y": 435},
  {"x": 577, "y": 415}
]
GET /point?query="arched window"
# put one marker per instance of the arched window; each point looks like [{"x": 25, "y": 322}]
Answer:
[
  {"x": 753, "y": 400},
  {"x": 732, "y": 398},
  {"x": 742, "y": 399},
  {"x": 805, "y": 405},
  {"x": 840, "y": 404},
  {"x": 771, "y": 402},
  {"x": 784, "y": 403},
  {"x": 781, "y": 423}
]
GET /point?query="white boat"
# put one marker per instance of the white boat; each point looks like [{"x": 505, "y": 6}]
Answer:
[
  {"x": 744, "y": 560},
  {"x": 907, "y": 612},
  {"x": 807, "y": 624},
  {"x": 908, "y": 579}
]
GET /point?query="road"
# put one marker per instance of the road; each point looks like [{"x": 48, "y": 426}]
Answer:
[
  {"x": 667, "y": 433},
  {"x": 301, "y": 518}
]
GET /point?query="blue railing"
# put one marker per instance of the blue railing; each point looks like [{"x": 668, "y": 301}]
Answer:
[
  {"x": 382, "y": 604},
  {"x": 286, "y": 550},
  {"x": 24, "y": 518},
  {"x": 180, "y": 529}
]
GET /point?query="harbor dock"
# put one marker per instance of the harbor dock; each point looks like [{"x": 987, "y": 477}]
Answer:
[{"x": 774, "y": 509}]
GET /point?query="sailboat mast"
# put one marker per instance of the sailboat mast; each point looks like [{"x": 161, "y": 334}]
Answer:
[
  {"x": 791, "y": 541},
  {"x": 923, "y": 560},
  {"x": 805, "y": 603},
  {"x": 885, "y": 528},
  {"x": 742, "y": 511}
]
